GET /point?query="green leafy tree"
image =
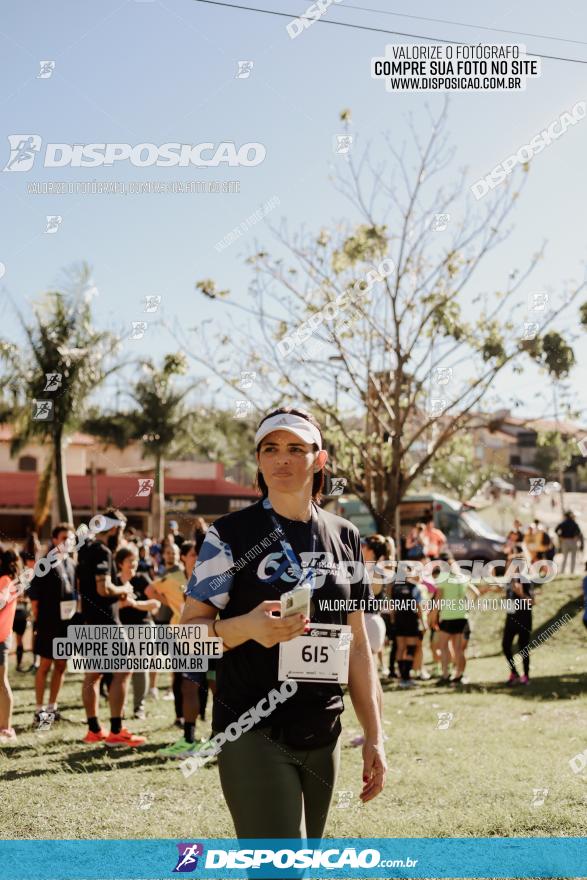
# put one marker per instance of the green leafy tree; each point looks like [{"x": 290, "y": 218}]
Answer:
[
  {"x": 413, "y": 342},
  {"x": 62, "y": 343},
  {"x": 456, "y": 470},
  {"x": 159, "y": 418},
  {"x": 223, "y": 438},
  {"x": 554, "y": 453}
]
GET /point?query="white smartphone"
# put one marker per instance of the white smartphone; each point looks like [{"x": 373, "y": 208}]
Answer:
[{"x": 297, "y": 601}]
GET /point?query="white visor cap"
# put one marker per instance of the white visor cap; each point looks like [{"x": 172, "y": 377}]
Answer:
[{"x": 302, "y": 428}]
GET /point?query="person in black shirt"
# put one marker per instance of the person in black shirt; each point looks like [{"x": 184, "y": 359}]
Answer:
[
  {"x": 518, "y": 623},
  {"x": 518, "y": 620},
  {"x": 126, "y": 560},
  {"x": 571, "y": 537},
  {"x": 248, "y": 559},
  {"x": 95, "y": 577},
  {"x": 408, "y": 621},
  {"x": 54, "y": 603}
]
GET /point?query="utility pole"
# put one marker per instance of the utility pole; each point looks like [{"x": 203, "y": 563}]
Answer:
[{"x": 561, "y": 477}]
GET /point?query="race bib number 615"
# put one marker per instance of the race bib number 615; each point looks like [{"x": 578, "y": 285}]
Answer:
[{"x": 321, "y": 655}]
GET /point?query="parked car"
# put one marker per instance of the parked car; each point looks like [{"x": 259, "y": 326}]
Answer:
[{"x": 468, "y": 536}]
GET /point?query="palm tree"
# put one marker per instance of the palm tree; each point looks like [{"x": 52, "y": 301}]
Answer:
[
  {"x": 48, "y": 383},
  {"x": 160, "y": 421}
]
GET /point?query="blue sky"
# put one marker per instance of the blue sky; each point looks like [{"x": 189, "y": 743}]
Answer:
[{"x": 157, "y": 72}]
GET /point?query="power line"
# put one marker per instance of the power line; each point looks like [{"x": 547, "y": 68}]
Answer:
[
  {"x": 465, "y": 24},
  {"x": 364, "y": 27}
]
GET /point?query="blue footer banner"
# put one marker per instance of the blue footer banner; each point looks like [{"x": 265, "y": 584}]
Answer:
[{"x": 454, "y": 857}]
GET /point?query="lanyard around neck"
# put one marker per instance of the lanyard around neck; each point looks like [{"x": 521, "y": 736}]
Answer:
[{"x": 304, "y": 575}]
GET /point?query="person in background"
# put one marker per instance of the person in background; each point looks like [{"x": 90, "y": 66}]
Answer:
[
  {"x": 193, "y": 683},
  {"x": 408, "y": 620},
  {"x": 452, "y": 592},
  {"x": 8, "y": 573},
  {"x": 145, "y": 563},
  {"x": 156, "y": 555},
  {"x": 174, "y": 533},
  {"x": 546, "y": 545},
  {"x": 533, "y": 541},
  {"x": 21, "y": 618},
  {"x": 429, "y": 576},
  {"x": 416, "y": 542},
  {"x": 551, "y": 548},
  {"x": 429, "y": 592},
  {"x": 101, "y": 601},
  {"x": 200, "y": 529},
  {"x": 207, "y": 684},
  {"x": 377, "y": 550},
  {"x": 518, "y": 623},
  {"x": 170, "y": 591},
  {"x": 518, "y": 619},
  {"x": 515, "y": 536},
  {"x": 571, "y": 537},
  {"x": 54, "y": 601},
  {"x": 435, "y": 539},
  {"x": 169, "y": 566},
  {"x": 30, "y": 552},
  {"x": 126, "y": 560},
  {"x": 585, "y": 598}
]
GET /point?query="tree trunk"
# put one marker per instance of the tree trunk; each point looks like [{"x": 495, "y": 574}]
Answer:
[
  {"x": 158, "y": 507},
  {"x": 43, "y": 501},
  {"x": 62, "y": 490}
]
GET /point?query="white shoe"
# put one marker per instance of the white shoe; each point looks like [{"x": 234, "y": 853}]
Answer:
[
  {"x": 7, "y": 735},
  {"x": 153, "y": 694}
]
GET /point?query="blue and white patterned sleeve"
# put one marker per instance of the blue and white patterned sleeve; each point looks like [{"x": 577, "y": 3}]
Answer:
[{"x": 213, "y": 574}]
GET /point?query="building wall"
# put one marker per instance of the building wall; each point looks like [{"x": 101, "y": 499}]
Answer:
[
  {"x": 75, "y": 457},
  {"x": 79, "y": 458}
]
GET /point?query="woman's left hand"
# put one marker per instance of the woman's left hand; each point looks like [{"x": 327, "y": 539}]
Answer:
[{"x": 374, "y": 769}]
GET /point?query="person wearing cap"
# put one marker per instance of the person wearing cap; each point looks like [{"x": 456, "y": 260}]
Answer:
[
  {"x": 101, "y": 599},
  {"x": 289, "y": 755}
]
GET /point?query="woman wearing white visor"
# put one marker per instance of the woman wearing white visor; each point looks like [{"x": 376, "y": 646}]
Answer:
[{"x": 289, "y": 754}]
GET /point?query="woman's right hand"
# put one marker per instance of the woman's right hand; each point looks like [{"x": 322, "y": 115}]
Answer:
[{"x": 262, "y": 627}]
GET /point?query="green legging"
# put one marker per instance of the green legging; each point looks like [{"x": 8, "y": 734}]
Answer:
[{"x": 273, "y": 790}]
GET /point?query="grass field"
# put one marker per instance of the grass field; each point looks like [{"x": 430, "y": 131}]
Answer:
[{"x": 475, "y": 778}]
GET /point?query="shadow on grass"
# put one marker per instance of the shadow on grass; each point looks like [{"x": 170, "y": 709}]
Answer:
[
  {"x": 544, "y": 687},
  {"x": 571, "y": 608},
  {"x": 23, "y": 774},
  {"x": 117, "y": 757}
]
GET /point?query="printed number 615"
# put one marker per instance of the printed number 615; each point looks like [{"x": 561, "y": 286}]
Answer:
[{"x": 315, "y": 653}]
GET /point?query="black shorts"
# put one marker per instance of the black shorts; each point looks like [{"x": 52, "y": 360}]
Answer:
[
  {"x": 195, "y": 677},
  {"x": 19, "y": 624},
  {"x": 467, "y": 631},
  {"x": 407, "y": 628},
  {"x": 454, "y": 627}
]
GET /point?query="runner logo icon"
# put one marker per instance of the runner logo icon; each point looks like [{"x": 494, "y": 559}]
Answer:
[
  {"x": 23, "y": 149},
  {"x": 188, "y": 857}
]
